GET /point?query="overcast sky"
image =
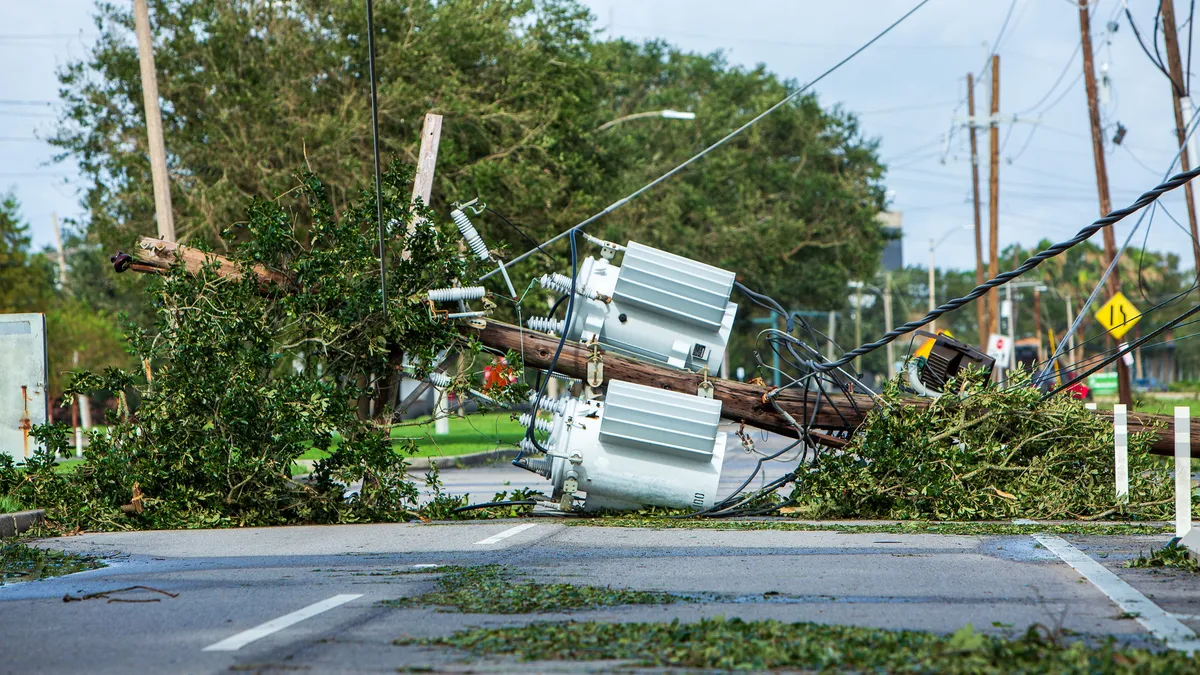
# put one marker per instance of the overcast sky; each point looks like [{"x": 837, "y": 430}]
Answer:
[{"x": 909, "y": 89}]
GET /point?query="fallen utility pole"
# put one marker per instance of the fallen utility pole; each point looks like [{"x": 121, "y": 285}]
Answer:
[{"x": 741, "y": 401}]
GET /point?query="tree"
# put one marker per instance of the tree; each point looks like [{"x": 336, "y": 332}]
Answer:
[
  {"x": 26, "y": 281},
  {"x": 253, "y": 90}
]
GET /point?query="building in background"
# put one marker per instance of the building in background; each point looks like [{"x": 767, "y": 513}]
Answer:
[{"x": 891, "y": 223}]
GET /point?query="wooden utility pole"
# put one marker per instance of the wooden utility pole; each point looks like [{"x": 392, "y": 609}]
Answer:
[
  {"x": 1179, "y": 90},
  {"x": 154, "y": 131},
  {"x": 1110, "y": 242},
  {"x": 981, "y": 305},
  {"x": 994, "y": 200}
]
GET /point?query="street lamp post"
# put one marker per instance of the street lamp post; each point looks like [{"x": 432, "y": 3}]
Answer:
[
  {"x": 665, "y": 114},
  {"x": 886, "y": 294},
  {"x": 933, "y": 244}
]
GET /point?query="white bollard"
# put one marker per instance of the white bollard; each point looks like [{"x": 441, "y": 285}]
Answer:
[
  {"x": 1121, "y": 451},
  {"x": 441, "y": 413},
  {"x": 1183, "y": 470}
]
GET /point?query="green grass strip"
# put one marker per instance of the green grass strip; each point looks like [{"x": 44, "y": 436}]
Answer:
[
  {"x": 734, "y": 644},
  {"x": 906, "y": 527}
]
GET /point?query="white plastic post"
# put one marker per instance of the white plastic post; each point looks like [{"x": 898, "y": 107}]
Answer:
[
  {"x": 1121, "y": 451},
  {"x": 1183, "y": 470},
  {"x": 441, "y": 413}
]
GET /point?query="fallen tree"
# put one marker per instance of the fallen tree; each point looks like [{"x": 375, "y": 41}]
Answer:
[{"x": 741, "y": 401}]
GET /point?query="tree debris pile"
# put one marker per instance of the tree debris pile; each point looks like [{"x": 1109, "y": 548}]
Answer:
[
  {"x": 991, "y": 452},
  {"x": 238, "y": 379}
]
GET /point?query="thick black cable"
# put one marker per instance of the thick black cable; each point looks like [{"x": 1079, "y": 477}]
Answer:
[
  {"x": 521, "y": 232},
  {"x": 375, "y": 143},
  {"x": 1157, "y": 63},
  {"x": 488, "y": 505},
  {"x": 1083, "y": 235},
  {"x": 557, "y": 352},
  {"x": 1154, "y": 37}
]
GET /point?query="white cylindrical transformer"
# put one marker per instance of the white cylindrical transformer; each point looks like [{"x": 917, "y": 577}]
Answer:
[
  {"x": 664, "y": 308},
  {"x": 641, "y": 446}
]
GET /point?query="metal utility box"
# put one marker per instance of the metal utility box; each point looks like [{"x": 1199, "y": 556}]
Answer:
[{"x": 24, "y": 376}]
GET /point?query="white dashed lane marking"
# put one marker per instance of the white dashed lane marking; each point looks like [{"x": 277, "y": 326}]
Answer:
[{"x": 497, "y": 538}]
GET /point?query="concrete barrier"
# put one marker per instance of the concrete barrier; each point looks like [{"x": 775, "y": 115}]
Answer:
[{"x": 12, "y": 524}]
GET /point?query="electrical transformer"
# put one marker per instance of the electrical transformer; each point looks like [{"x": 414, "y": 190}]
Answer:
[
  {"x": 640, "y": 446},
  {"x": 655, "y": 306}
]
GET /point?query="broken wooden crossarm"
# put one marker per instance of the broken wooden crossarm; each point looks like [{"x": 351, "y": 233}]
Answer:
[
  {"x": 156, "y": 256},
  {"x": 741, "y": 401}
]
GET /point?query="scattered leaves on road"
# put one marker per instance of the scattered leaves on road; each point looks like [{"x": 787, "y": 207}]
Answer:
[{"x": 492, "y": 590}]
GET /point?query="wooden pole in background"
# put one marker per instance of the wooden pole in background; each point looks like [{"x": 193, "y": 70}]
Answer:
[
  {"x": 994, "y": 200},
  {"x": 981, "y": 305},
  {"x": 1110, "y": 242},
  {"x": 1179, "y": 89}
]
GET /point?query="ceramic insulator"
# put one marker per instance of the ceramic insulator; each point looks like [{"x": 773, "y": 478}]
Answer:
[{"x": 470, "y": 234}]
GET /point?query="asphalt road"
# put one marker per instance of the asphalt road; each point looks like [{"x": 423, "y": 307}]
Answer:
[{"x": 228, "y": 582}]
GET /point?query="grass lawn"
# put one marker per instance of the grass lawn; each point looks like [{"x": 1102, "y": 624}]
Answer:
[
  {"x": 10, "y": 505},
  {"x": 1147, "y": 403},
  {"x": 473, "y": 433}
]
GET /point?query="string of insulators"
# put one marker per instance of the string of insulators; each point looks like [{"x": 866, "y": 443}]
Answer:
[{"x": 539, "y": 423}]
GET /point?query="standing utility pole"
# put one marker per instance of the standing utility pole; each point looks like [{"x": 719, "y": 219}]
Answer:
[
  {"x": 981, "y": 305},
  {"x": 158, "y": 151},
  {"x": 1180, "y": 99},
  {"x": 994, "y": 200},
  {"x": 1110, "y": 243}
]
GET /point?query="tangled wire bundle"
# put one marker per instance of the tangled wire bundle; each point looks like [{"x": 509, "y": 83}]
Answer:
[{"x": 989, "y": 453}]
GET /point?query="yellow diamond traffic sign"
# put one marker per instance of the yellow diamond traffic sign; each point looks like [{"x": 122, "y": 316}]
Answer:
[{"x": 1118, "y": 315}]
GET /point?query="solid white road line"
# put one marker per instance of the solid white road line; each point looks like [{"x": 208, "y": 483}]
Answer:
[
  {"x": 236, "y": 642},
  {"x": 1161, "y": 625},
  {"x": 496, "y": 538}
]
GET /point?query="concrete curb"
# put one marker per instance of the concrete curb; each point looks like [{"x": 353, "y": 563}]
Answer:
[
  {"x": 463, "y": 461},
  {"x": 12, "y": 524}
]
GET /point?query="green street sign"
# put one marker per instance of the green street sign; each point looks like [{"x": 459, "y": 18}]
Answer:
[{"x": 1103, "y": 384}]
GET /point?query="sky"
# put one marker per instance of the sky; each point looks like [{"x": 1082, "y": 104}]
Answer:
[{"x": 908, "y": 89}]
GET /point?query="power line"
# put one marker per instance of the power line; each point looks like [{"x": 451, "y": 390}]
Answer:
[
  {"x": 44, "y": 36},
  {"x": 983, "y": 70},
  {"x": 11, "y": 101},
  {"x": 790, "y": 97}
]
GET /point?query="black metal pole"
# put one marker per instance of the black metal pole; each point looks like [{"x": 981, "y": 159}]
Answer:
[{"x": 375, "y": 140}]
